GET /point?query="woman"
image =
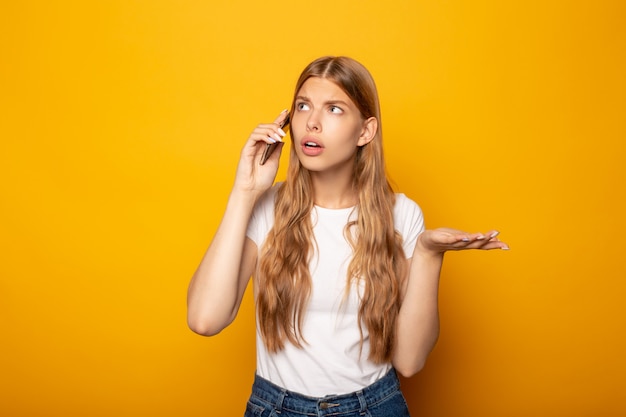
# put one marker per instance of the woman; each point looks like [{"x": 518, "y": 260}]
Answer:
[{"x": 345, "y": 276}]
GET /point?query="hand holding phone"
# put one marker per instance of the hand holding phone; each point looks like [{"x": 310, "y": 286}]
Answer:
[{"x": 269, "y": 148}]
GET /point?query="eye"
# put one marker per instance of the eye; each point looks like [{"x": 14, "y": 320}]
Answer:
[
  {"x": 336, "y": 109},
  {"x": 302, "y": 106}
]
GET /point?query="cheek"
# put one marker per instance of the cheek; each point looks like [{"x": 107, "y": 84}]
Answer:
[
  {"x": 297, "y": 127},
  {"x": 341, "y": 129},
  {"x": 351, "y": 133},
  {"x": 295, "y": 134}
]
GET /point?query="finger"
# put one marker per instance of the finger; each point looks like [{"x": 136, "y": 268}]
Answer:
[
  {"x": 489, "y": 243},
  {"x": 482, "y": 236},
  {"x": 279, "y": 123},
  {"x": 452, "y": 239},
  {"x": 266, "y": 133},
  {"x": 470, "y": 237},
  {"x": 272, "y": 131},
  {"x": 257, "y": 142},
  {"x": 492, "y": 235},
  {"x": 494, "y": 245},
  {"x": 464, "y": 238},
  {"x": 494, "y": 242},
  {"x": 275, "y": 155},
  {"x": 282, "y": 117}
]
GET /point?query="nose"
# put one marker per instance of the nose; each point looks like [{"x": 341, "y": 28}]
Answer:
[{"x": 313, "y": 123}]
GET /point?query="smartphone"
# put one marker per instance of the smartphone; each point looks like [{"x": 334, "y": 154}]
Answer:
[{"x": 269, "y": 148}]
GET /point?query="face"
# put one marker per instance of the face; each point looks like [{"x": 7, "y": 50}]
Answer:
[{"x": 327, "y": 128}]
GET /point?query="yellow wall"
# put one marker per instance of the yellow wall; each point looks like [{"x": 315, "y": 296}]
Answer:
[{"x": 120, "y": 128}]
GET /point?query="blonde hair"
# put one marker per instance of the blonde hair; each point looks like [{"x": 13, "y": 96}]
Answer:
[{"x": 379, "y": 262}]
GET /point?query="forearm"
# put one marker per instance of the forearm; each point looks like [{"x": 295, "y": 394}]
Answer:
[
  {"x": 215, "y": 290},
  {"x": 418, "y": 322}
]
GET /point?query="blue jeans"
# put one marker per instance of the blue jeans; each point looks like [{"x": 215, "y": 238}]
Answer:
[{"x": 381, "y": 399}]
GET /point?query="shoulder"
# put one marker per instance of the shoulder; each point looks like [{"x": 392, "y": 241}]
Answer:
[
  {"x": 408, "y": 221},
  {"x": 405, "y": 206},
  {"x": 407, "y": 215},
  {"x": 268, "y": 197}
]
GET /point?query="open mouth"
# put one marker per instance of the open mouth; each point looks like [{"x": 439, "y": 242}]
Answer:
[{"x": 311, "y": 147}]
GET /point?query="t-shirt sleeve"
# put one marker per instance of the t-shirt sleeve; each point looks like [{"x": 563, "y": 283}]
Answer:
[
  {"x": 253, "y": 227},
  {"x": 409, "y": 221}
]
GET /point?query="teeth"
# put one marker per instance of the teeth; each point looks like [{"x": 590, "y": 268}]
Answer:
[{"x": 311, "y": 144}]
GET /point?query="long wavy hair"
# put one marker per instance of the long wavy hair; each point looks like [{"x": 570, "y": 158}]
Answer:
[{"x": 378, "y": 258}]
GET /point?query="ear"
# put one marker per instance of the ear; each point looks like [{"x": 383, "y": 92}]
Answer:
[{"x": 370, "y": 127}]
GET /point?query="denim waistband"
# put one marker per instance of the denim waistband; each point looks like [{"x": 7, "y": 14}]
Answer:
[{"x": 294, "y": 402}]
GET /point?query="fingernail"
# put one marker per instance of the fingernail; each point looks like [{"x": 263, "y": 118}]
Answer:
[
  {"x": 465, "y": 239},
  {"x": 282, "y": 132},
  {"x": 494, "y": 234},
  {"x": 277, "y": 136},
  {"x": 283, "y": 111},
  {"x": 271, "y": 139},
  {"x": 505, "y": 248},
  {"x": 481, "y": 237}
]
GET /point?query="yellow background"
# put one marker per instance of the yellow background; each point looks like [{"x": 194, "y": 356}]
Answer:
[{"x": 120, "y": 128}]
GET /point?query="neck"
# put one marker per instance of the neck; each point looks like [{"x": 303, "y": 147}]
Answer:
[{"x": 333, "y": 191}]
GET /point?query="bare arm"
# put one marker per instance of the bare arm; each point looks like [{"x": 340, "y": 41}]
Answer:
[
  {"x": 218, "y": 285},
  {"x": 418, "y": 323}
]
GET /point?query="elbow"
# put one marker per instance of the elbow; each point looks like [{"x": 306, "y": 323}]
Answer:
[
  {"x": 410, "y": 365},
  {"x": 409, "y": 370},
  {"x": 410, "y": 358},
  {"x": 208, "y": 320},
  {"x": 203, "y": 330},
  {"x": 204, "y": 327}
]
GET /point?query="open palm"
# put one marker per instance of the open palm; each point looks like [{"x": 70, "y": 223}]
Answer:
[{"x": 444, "y": 239}]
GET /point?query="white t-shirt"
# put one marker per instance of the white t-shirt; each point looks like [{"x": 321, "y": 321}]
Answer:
[{"x": 330, "y": 361}]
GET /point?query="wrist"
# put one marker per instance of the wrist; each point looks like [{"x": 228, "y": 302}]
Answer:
[
  {"x": 425, "y": 251},
  {"x": 243, "y": 197}
]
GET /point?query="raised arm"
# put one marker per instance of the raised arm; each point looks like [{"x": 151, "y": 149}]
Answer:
[
  {"x": 218, "y": 285},
  {"x": 418, "y": 323}
]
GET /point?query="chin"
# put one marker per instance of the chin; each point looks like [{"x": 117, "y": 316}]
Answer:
[{"x": 311, "y": 166}]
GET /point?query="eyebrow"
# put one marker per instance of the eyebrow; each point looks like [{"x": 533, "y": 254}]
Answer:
[{"x": 304, "y": 98}]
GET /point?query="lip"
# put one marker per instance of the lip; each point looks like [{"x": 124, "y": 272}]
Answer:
[{"x": 311, "y": 151}]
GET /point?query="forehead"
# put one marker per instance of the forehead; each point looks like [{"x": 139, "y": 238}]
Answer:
[{"x": 323, "y": 90}]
